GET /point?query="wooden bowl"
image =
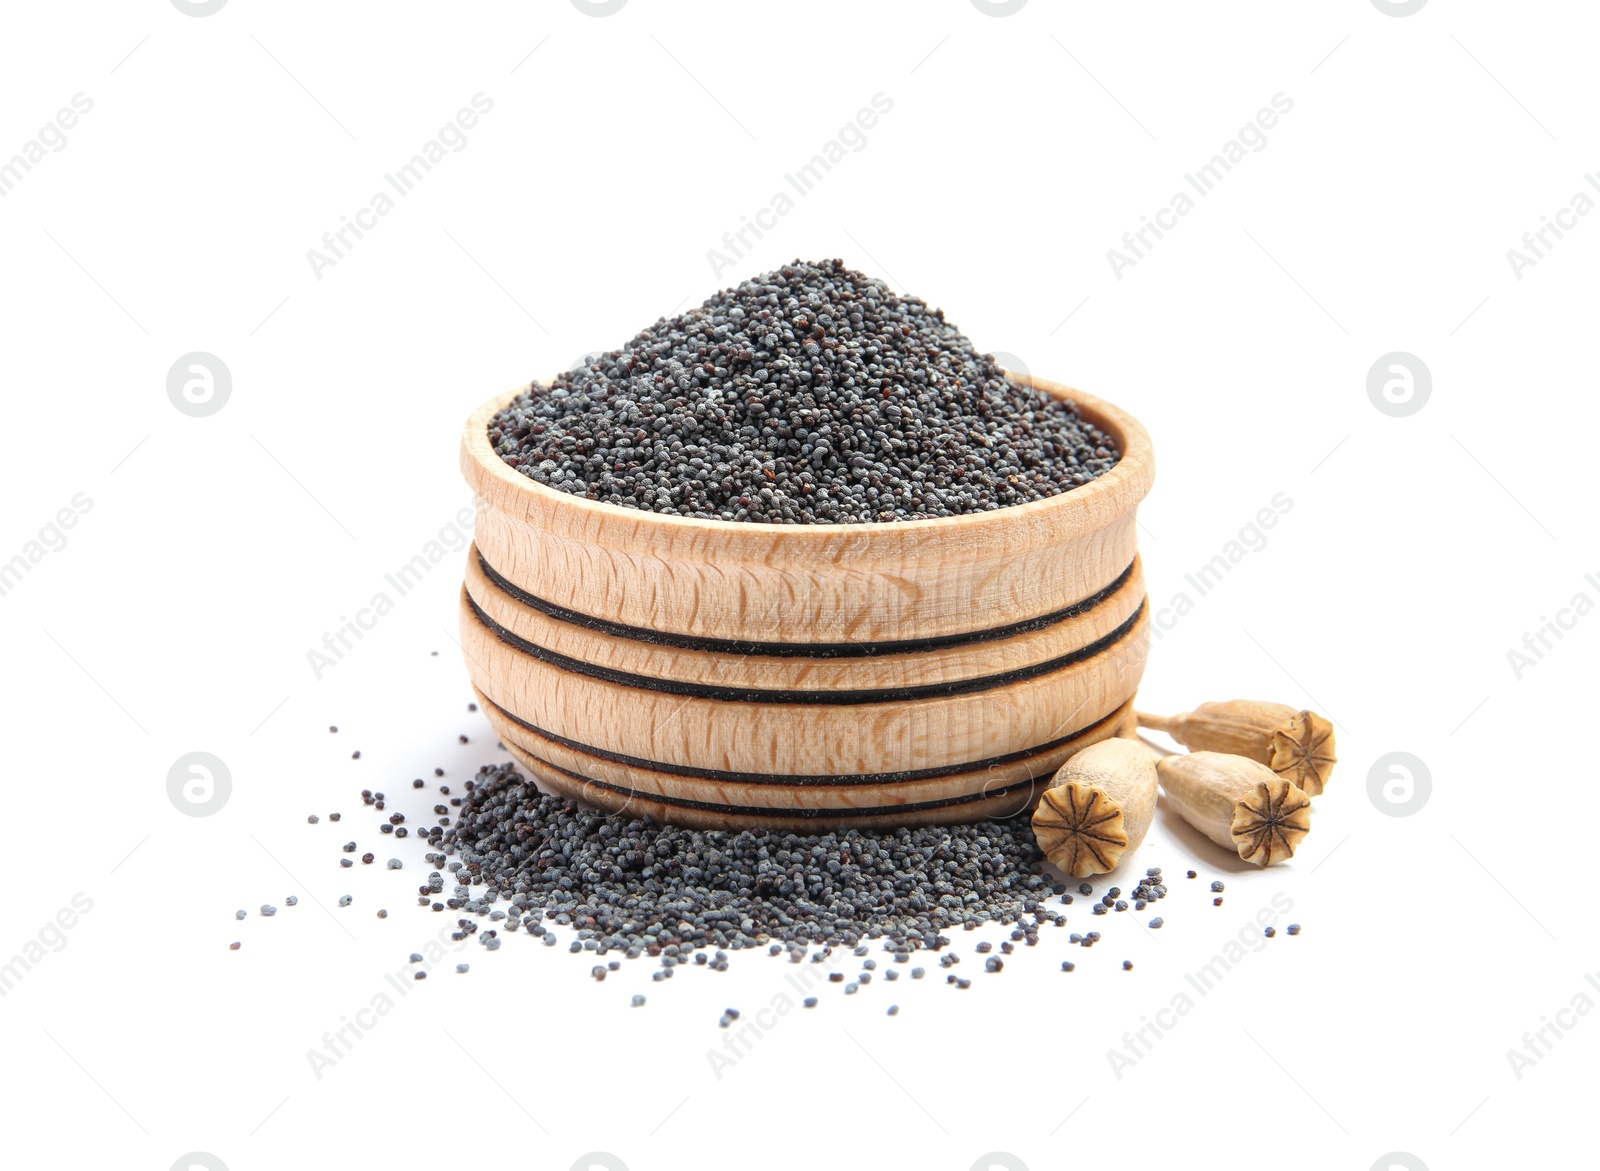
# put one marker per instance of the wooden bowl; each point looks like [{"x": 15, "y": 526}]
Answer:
[{"x": 724, "y": 674}]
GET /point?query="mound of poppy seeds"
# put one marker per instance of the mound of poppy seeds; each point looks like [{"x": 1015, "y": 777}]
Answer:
[
  {"x": 636, "y": 885},
  {"x": 808, "y": 395}
]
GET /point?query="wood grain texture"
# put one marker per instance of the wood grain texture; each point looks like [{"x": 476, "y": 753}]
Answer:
[
  {"x": 717, "y": 673},
  {"x": 799, "y": 792},
  {"x": 802, "y": 738},
  {"x": 856, "y": 582},
  {"x": 990, "y": 801},
  {"x": 942, "y": 664}
]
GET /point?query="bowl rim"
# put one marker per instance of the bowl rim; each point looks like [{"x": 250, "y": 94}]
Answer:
[{"x": 1134, "y": 472}]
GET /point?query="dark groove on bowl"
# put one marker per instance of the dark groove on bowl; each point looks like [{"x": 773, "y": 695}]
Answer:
[
  {"x": 840, "y": 780},
  {"x": 813, "y": 814},
  {"x": 770, "y": 695},
  {"x": 808, "y": 650}
]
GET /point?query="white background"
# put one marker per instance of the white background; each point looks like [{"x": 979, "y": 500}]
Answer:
[{"x": 218, "y": 550}]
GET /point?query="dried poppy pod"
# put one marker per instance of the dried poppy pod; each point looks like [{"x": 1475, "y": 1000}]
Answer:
[
  {"x": 1098, "y": 807},
  {"x": 1294, "y": 744},
  {"x": 1238, "y": 803}
]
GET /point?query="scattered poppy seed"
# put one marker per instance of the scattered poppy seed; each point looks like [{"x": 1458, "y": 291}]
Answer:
[
  {"x": 345, "y": 900},
  {"x": 1270, "y": 933},
  {"x": 233, "y": 947},
  {"x": 1217, "y": 886},
  {"x": 292, "y": 901},
  {"x": 1127, "y": 965},
  {"x": 1293, "y": 929},
  {"x": 268, "y": 910}
]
